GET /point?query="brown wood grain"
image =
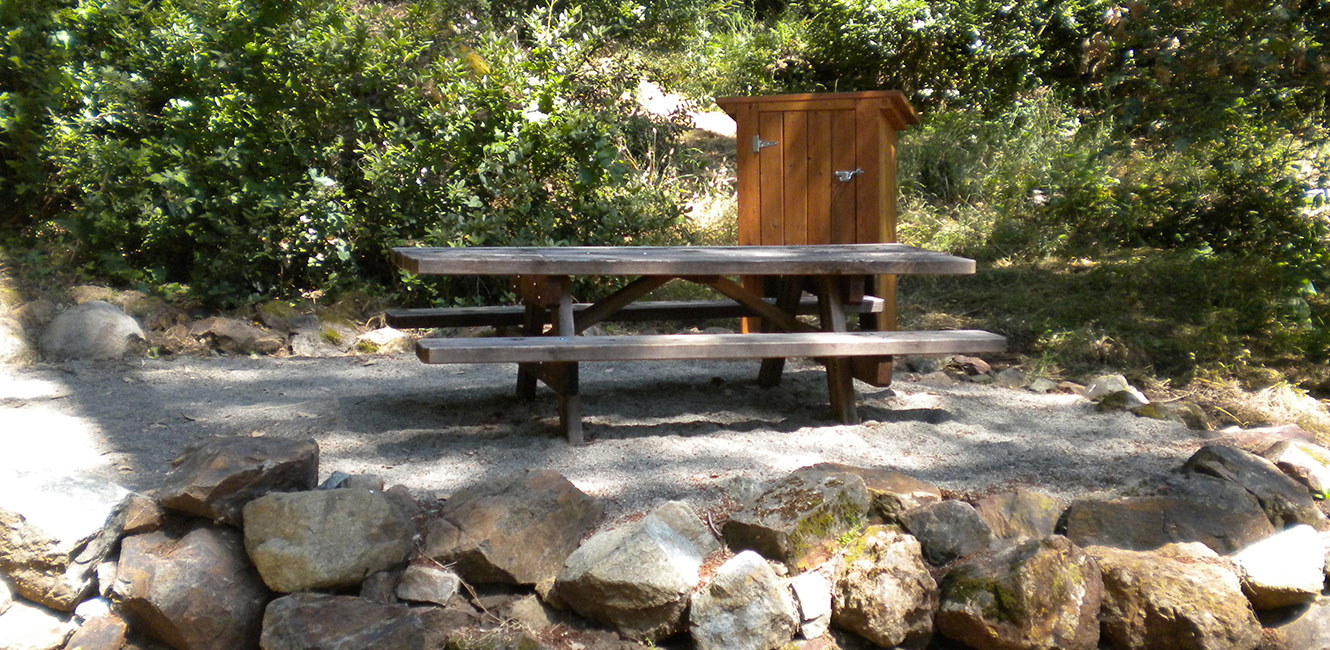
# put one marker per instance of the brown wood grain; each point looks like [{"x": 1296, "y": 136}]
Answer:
[
  {"x": 795, "y": 177},
  {"x": 749, "y": 181},
  {"x": 819, "y": 177},
  {"x": 844, "y": 153},
  {"x": 771, "y": 163}
]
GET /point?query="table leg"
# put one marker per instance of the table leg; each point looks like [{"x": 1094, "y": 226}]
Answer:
[
  {"x": 570, "y": 398},
  {"x": 840, "y": 381},
  {"x": 532, "y": 324},
  {"x": 787, "y": 300}
]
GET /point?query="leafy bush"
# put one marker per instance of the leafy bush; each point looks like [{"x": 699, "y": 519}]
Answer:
[{"x": 265, "y": 148}]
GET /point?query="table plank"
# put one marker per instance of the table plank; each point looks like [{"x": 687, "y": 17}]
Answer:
[{"x": 842, "y": 259}]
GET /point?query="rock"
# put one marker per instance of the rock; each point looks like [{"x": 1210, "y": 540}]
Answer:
[
  {"x": 234, "y": 336},
  {"x": 1225, "y": 518},
  {"x": 192, "y": 591},
  {"x": 745, "y": 607},
  {"x": 1259, "y": 439},
  {"x": 309, "y": 621},
  {"x": 381, "y": 587},
  {"x": 1031, "y": 596},
  {"x": 142, "y": 515},
  {"x": 1187, "y": 413},
  {"x": 322, "y": 337},
  {"x": 105, "y": 632},
  {"x": 92, "y": 608},
  {"x": 798, "y": 519},
  {"x": 216, "y": 478},
  {"x": 532, "y": 614},
  {"x": 937, "y": 378},
  {"x": 892, "y": 492},
  {"x": 1042, "y": 385},
  {"x": 1283, "y": 570},
  {"x": 971, "y": 365},
  {"x": 54, "y": 530},
  {"x": 14, "y": 347},
  {"x": 1105, "y": 385},
  {"x": 278, "y": 315},
  {"x": 1178, "y": 596},
  {"x": 1303, "y": 628},
  {"x": 1010, "y": 378},
  {"x": 884, "y": 591},
  {"x": 324, "y": 538},
  {"x": 6, "y": 595},
  {"x": 1284, "y": 500},
  {"x": 518, "y": 530},
  {"x": 385, "y": 340},
  {"x": 105, "y": 573},
  {"x": 948, "y": 530},
  {"x": 1122, "y": 400},
  {"x": 637, "y": 578},
  {"x": 427, "y": 583},
  {"x": 978, "y": 378},
  {"x": 1020, "y": 514},
  {"x": 93, "y": 330},
  {"x": 35, "y": 314},
  {"x": 922, "y": 364},
  {"x": 1306, "y": 463},
  {"x": 29, "y": 627},
  {"x": 812, "y": 595}
]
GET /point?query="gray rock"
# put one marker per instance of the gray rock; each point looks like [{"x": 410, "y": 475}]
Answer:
[
  {"x": 892, "y": 492},
  {"x": 1305, "y": 462},
  {"x": 1301, "y": 629},
  {"x": 300, "y": 540},
  {"x": 948, "y": 530},
  {"x": 1259, "y": 439},
  {"x": 1197, "y": 509},
  {"x": 1284, "y": 500},
  {"x": 30, "y": 627},
  {"x": 1105, "y": 385},
  {"x": 195, "y": 591},
  {"x": 92, "y": 608},
  {"x": 234, "y": 336},
  {"x": 1010, "y": 378},
  {"x": 1178, "y": 596},
  {"x": 105, "y": 632},
  {"x": 93, "y": 330},
  {"x": 142, "y": 514},
  {"x": 1123, "y": 400},
  {"x": 1283, "y": 570},
  {"x": 812, "y": 595},
  {"x": 884, "y": 591},
  {"x": 381, "y": 586},
  {"x": 322, "y": 337},
  {"x": 6, "y": 595},
  {"x": 1042, "y": 385},
  {"x": 798, "y": 520},
  {"x": 307, "y": 621},
  {"x": 427, "y": 583},
  {"x": 1187, "y": 413},
  {"x": 745, "y": 607},
  {"x": 518, "y": 530},
  {"x": 216, "y": 478},
  {"x": 971, "y": 365},
  {"x": 385, "y": 340},
  {"x": 54, "y": 530},
  {"x": 14, "y": 347},
  {"x": 1020, "y": 514},
  {"x": 923, "y": 364},
  {"x": 1034, "y": 595},
  {"x": 637, "y": 578}
]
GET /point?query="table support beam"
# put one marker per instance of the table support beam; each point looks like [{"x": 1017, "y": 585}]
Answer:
[
  {"x": 616, "y": 301},
  {"x": 840, "y": 381}
]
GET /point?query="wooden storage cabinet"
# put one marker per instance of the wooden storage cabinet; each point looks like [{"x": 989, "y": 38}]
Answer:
[{"x": 821, "y": 169}]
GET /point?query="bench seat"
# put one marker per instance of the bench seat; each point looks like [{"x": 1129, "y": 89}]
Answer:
[
  {"x": 512, "y": 315},
  {"x": 661, "y": 347}
]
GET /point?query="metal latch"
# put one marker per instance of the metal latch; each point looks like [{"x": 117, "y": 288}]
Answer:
[
  {"x": 759, "y": 144},
  {"x": 847, "y": 176}
]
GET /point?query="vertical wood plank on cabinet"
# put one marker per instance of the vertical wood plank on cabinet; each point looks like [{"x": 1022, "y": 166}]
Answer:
[
  {"x": 749, "y": 189},
  {"x": 819, "y": 177},
  {"x": 795, "y": 144},
  {"x": 843, "y": 154},
  {"x": 871, "y": 153},
  {"x": 771, "y": 126}
]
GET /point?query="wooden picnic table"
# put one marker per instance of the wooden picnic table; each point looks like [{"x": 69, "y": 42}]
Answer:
[{"x": 835, "y": 274}]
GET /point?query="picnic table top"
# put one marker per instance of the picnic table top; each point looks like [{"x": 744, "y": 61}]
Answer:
[{"x": 829, "y": 259}]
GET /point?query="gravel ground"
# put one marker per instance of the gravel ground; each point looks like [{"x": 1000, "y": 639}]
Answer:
[{"x": 666, "y": 430}]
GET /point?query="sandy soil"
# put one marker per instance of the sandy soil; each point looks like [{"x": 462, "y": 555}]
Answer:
[{"x": 678, "y": 430}]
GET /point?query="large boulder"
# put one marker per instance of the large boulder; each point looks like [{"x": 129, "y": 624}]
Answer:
[
  {"x": 234, "y": 336},
  {"x": 324, "y": 538},
  {"x": 103, "y": 632},
  {"x": 192, "y": 591},
  {"x": 637, "y": 578},
  {"x": 1283, "y": 499},
  {"x": 54, "y": 530},
  {"x": 1020, "y": 514},
  {"x": 385, "y": 340},
  {"x": 892, "y": 492},
  {"x": 1305, "y": 462},
  {"x": 744, "y": 607},
  {"x": 1283, "y": 570},
  {"x": 29, "y": 627},
  {"x": 1304, "y": 627},
  {"x": 216, "y": 478},
  {"x": 307, "y": 621},
  {"x": 1177, "y": 596},
  {"x": 92, "y": 330},
  {"x": 948, "y": 530},
  {"x": 518, "y": 530},
  {"x": 14, "y": 347},
  {"x": 798, "y": 520},
  {"x": 884, "y": 591},
  {"x": 1035, "y": 595},
  {"x": 1194, "y": 509}
]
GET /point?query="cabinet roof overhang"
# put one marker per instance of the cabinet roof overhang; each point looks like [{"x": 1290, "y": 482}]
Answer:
[{"x": 891, "y": 102}]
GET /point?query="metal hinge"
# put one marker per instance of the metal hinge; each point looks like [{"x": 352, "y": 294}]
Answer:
[{"x": 759, "y": 144}]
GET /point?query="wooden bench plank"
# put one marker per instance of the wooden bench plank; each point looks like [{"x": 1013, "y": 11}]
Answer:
[
  {"x": 512, "y": 315},
  {"x": 661, "y": 347}
]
